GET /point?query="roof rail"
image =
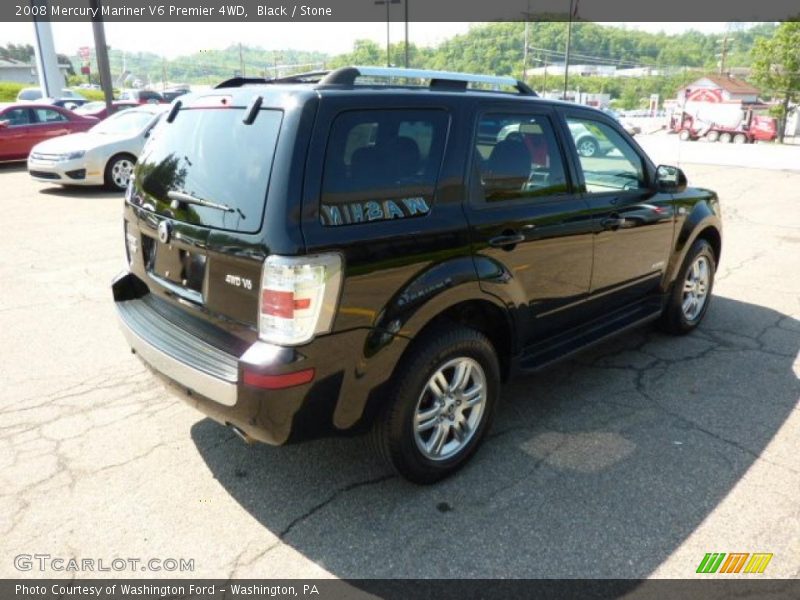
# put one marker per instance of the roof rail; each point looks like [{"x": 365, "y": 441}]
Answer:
[
  {"x": 438, "y": 79},
  {"x": 307, "y": 77},
  {"x": 239, "y": 82}
]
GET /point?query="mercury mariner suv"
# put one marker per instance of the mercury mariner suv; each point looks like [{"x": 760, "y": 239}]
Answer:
[{"x": 374, "y": 249}]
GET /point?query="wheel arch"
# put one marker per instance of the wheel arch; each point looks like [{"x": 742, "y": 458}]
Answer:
[
  {"x": 702, "y": 223},
  {"x": 408, "y": 318}
]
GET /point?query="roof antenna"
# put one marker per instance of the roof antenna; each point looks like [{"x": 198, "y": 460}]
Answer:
[
  {"x": 173, "y": 112},
  {"x": 252, "y": 110}
]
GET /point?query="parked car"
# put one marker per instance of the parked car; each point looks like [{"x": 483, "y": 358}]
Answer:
[
  {"x": 142, "y": 96},
  {"x": 34, "y": 94},
  {"x": 170, "y": 95},
  {"x": 628, "y": 125},
  {"x": 98, "y": 109},
  {"x": 315, "y": 256},
  {"x": 22, "y": 126},
  {"x": 68, "y": 103},
  {"x": 104, "y": 155},
  {"x": 588, "y": 143}
]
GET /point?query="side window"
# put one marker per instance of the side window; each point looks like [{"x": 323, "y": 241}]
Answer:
[
  {"x": 382, "y": 165},
  {"x": 609, "y": 163},
  {"x": 48, "y": 115},
  {"x": 17, "y": 117},
  {"x": 518, "y": 157}
]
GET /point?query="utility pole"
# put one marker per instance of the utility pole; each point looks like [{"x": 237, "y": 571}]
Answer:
[
  {"x": 724, "y": 55},
  {"x": 388, "y": 23},
  {"x": 405, "y": 5},
  {"x": 163, "y": 74},
  {"x": 525, "y": 51},
  {"x": 544, "y": 85},
  {"x": 241, "y": 61},
  {"x": 569, "y": 43},
  {"x": 101, "y": 51},
  {"x": 388, "y": 48}
]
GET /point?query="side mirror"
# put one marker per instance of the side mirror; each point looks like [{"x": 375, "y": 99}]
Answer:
[
  {"x": 670, "y": 179},
  {"x": 3, "y": 124}
]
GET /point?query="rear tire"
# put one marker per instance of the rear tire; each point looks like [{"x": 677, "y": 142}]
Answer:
[
  {"x": 725, "y": 137},
  {"x": 712, "y": 136},
  {"x": 685, "y": 135},
  {"x": 442, "y": 402},
  {"x": 740, "y": 138},
  {"x": 588, "y": 147},
  {"x": 691, "y": 293},
  {"x": 119, "y": 171}
]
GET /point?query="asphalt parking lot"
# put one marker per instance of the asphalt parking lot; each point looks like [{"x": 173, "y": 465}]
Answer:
[{"x": 632, "y": 460}]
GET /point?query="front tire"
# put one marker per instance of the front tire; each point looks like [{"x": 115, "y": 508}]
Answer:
[
  {"x": 691, "y": 292},
  {"x": 442, "y": 404},
  {"x": 118, "y": 172}
]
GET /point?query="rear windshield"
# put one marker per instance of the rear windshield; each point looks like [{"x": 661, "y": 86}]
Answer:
[{"x": 210, "y": 155}]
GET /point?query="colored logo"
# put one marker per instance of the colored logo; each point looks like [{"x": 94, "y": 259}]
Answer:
[{"x": 734, "y": 562}]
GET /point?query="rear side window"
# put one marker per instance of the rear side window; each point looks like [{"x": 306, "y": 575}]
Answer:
[
  {"x": 382, "y": 165},
  {"x": 48, "y": 115},
  {"x": 518, "y": 158},
  {"x": 17, "y": 117}
]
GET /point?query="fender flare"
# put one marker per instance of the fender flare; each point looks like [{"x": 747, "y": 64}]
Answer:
[{"x": 700, "y": 219}]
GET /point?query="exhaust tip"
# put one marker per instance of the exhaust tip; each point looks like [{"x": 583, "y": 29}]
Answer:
[{"x": 241, "y": 434}]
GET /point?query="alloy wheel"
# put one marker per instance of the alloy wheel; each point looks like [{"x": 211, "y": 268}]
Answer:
[
  {"x": 695, "y": 288},
  {"x": 450, "y": 409}
]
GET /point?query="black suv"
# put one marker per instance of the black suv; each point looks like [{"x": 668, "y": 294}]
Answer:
[{"x": 337, "y": 252}]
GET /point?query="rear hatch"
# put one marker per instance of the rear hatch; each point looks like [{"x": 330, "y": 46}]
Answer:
[{"x": 198, "y": 195}]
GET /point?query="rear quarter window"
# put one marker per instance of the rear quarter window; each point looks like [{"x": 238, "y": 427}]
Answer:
[{"x": 382, "y": 165}]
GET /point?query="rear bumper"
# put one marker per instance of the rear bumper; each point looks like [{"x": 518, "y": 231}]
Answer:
[
  {"x": 152, "y": 338},
  {"x": 187, "y": 352}
]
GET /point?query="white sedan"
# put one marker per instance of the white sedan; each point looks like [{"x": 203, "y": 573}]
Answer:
[{"x": 104, "y": 155}]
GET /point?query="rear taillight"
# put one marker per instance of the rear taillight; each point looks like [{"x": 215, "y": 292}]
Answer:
[{"x": 298, "y": 297}]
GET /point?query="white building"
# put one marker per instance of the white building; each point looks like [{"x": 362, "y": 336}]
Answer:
[{"x": 20, "y": 72}]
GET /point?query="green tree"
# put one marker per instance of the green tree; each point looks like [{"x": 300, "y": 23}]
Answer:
[{"x": 776, "y": 67}]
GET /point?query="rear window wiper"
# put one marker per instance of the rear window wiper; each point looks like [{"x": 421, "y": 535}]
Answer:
[{"x": 179, "y": 198}]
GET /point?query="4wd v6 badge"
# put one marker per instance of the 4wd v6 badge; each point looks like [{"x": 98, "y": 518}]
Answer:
[{"x": 238, "y": 281}]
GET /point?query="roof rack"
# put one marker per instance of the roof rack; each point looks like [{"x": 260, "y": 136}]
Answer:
[
  {"x": 346, "y": 76},
  {"x": 239, "y": 82},
  {"x": 308, "y": 77},
  {"x": 438, "y": 79}
]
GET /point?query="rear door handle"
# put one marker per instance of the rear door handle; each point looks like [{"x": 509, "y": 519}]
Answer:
[{"x": 507, "y": 239}]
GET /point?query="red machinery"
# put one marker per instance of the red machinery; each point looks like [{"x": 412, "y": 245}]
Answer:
[{"x": 721, "y": 121}]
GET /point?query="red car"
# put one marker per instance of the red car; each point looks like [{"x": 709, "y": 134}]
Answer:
[
  {"x": 22, "y": 126},
  {"x": 98, "y": 109}
]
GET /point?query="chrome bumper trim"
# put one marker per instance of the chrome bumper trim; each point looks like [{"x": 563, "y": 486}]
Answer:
[{"x": 213, "y": 388}]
